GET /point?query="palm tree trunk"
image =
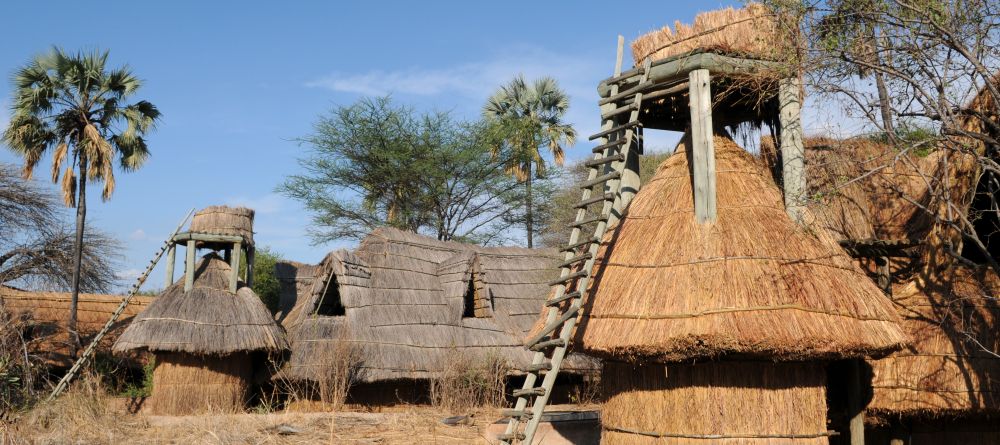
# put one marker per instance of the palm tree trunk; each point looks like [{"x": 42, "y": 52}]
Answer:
[
  {"x": 81, "y": 216},
  {"x": 528, "y": 223}
]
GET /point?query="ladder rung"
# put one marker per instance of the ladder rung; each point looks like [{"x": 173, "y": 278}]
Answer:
[
  {"x": 627, "y": 93},
  {"x": 600, "y": 179},
  {"x": 569, "y": 277},
  {"x": 612, "y": 144},
  {"x": 575, "y": 259},
  {"x": 606, "y": 160},
  {"x": 557, "y": 343},
  {"x": 512, "y": 436},
  {"x": 577, "y": 245},
  {"x": 549, "y": 328},
  {"x": 535, "y": 367},
  {"x": 601, "y": 198},
  {"x": 564, "y": 297},
  {"x": 520, "y": 414},
  {"x": 589, "y": 220},
  {"x": 529, "y": 392},
  {"x": 621, "y": 110},
  {"x": 615, "y": 129}
]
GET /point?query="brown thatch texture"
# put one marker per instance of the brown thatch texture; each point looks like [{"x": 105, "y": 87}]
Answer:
[
  {"x": 749, "y": 31},
  {"x": 224, "y": 220},
  {"x": 48, "y": 312},
  {"x": 184, "y": 384},
  {"x": 752, "y": 283},
  {"x": 400, "y": 295},
  {"x": 744, "y": 402},
  {"x": 294, "y": 279},
  {"x": 951, "y": 368},
  {"x": 208, "y": 319}
]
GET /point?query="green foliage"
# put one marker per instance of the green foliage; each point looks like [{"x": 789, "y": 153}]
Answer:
[
  {"x": 116, "y": 375},
  {"x": 375, "y": 163},
  {"x": 919, "y": 138},
  {"x": 265, "y": 282},
  {"x": 145, "y": 386}
]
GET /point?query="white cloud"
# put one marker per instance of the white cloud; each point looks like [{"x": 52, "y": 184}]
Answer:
[{"x": 137, "y": 235}]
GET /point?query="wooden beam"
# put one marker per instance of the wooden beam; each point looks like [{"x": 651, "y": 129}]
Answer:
[
  {"x": 189, "y": 266},
  {"x": 234, "y": 275},
  {"x": 665, "y": 70},
  {"x": 171, "y": 255},
  {"x": 702, "y": 148},
  {"x": 208, "y": 237},
  {"x": 793, "y": 154},
  {"x": 856, "y": 408}
]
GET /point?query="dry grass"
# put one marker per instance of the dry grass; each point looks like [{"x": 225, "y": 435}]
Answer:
[
  {"x": 749, "y": 31},
  {"x": 224, "y": 220},
  {"x": 84, "y": 414},
  {"x": 467, "y": 381},
  {"x": 715, "y": 398},
  {"x": 752, "y": 283},
  {"x": 338, "y": 369}
]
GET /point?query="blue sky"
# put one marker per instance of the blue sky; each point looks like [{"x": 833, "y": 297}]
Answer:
[{"x": 237, "y": 83}]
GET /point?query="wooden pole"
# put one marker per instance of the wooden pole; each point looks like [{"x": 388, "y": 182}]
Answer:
[
  {"x": 793, "y": 168},
  {"x": 171, "y": 251},
  {"x": 189, "y": 266},
  {"x": 235, "y": 266},
  {"x": 855, "y": 406},
  {"x": 702, "y": 148}
]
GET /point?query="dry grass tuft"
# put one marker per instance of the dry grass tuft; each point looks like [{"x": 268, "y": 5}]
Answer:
[
  {"x": 338, "y": 369},
  {"x": 467, "y": 381},
  {"x": 749, "y": 31},
  {"x": 83, "y": 414}
]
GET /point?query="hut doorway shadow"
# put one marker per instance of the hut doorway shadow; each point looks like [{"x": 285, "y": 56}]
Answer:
[{"x": 841, "y": 404}]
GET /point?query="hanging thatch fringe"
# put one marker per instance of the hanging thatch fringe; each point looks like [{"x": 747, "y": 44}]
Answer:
[{"x": 749, "y": 31}]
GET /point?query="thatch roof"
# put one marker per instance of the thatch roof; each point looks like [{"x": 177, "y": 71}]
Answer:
[
  {"x": 749, "y": 31},
  {"x": 753, "y": 283},
  {"x": 403, "y": 301},
  {"x": 224, "y": 220},
  {"x": 294, "y": 279},
  {"x": 208, "y": 319},
  {"x": 47, "y": 313},
  {"x": 951, "y": 368}
]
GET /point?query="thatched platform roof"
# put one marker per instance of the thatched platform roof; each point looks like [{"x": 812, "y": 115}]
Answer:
[
  {"x": 751, "y": 284},
  {"x": 208, "y": 319},
  {"x": 403, "y": 301},
  {"x": 951, "y": 368},
  {"x": 749, "y": 31},
  {"x": 224, "y": 220},
  {"x": 46, "y": 313}
]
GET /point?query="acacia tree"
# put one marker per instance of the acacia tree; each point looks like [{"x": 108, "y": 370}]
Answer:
[
  {"x": 374, "y": 164},
  {"x": 523, "y": 118},
  {"x": 75, "y": 108}
]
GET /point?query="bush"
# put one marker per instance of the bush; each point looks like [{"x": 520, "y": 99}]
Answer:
[
  {"x": 468, "y": 381},
  {"x": 16, "y": 373}
]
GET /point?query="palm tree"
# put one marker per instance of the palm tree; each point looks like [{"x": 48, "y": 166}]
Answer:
[
  {"x": 75, "y": 108},
  {"x": 523, "y": 118}
]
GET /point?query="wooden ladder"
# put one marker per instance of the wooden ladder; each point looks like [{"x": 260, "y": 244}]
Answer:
[
  {"x": 92, "y": 347},
  {"x": 550, "y": 344}
]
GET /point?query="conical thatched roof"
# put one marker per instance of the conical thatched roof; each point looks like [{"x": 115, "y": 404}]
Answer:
[
  {"x": 753, "y": 283},
  {"x": 208, "y": 319},
  {"x": 951, "y": 318}
]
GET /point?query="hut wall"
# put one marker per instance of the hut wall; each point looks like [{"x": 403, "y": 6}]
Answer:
[
  {"x": 937, "y": 431},
  {"x": 192, "y": 384},
  {"x": 714, "y": 402}
]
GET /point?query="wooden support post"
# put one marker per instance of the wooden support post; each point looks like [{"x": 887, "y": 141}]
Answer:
[
  {"x": 189, "y": 266},
  {"x": 855, "y": 406},
  {"x": 793, "y": 168},
  {"x": 235, "y": 266},
  {"x": 884, "y": 274},
  {"x": 702, "y": 148},
  {"x": 171, "y": 255},
  {"x": 630, "y": 184}
]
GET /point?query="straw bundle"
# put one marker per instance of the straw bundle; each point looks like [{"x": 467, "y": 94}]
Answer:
[
  {"x": 47, "y": 313},
  {"x": 186, "y": 384},
  {"x": 749, "y": 31},
  {"x": 667, "y": 288},
  {"x": 945, "y": 372},
  {"x": 205, "y": 320},
  {"x": 223, "y": 220},
  {"x": 403, "y": 299},
  {"x": 729, "y": 402}
]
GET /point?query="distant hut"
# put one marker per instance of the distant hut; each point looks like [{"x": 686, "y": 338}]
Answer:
[
  {"x": 722, "y": 331},
  {"x": 45, "y": 314},
  {"x": 208, "y": 331},
  {"x": 408, "y": 303}
]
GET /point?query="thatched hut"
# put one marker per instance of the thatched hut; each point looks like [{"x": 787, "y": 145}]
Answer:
[
  {"x": 722, "y": 331},
  {"x": 408, "y": 304},
  {"x": 208, "y": 342},
  {"x": 45, "y": 315}
]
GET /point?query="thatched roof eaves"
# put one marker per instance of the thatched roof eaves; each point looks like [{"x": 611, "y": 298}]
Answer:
[
  {"x": 751, "y": 284},
  {"x": 207, "y": 319}
]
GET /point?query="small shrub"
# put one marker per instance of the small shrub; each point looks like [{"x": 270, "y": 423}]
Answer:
[
  {"x": 466, "y": 381},
  {"x": 17, "y": 375}
]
